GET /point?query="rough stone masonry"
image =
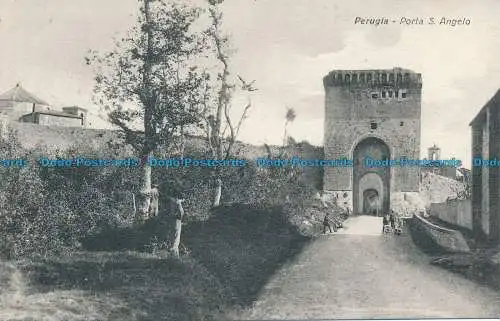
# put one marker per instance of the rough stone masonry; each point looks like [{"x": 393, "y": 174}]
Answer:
[{"x": 372, "y": 113}]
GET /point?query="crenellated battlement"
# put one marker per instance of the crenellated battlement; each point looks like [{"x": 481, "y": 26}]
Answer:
[{"x": 397, "y": 77}]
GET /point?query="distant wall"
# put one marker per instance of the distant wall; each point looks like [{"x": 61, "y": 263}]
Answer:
[
  {"x": 456, "y": 212},
  {"x": 62, "y": 137},
  {"x": 51, "y": 120},
  {"x": 437, "y": 189}
]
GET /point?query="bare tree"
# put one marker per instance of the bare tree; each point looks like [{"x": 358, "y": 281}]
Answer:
[
  {"x": 149, "y": 84},
  {"x": 221, "y": 129},
  {"x": 289, "y": 118}
]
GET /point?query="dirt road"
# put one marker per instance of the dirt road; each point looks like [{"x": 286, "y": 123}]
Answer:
[{"x": 360, "y": 273}]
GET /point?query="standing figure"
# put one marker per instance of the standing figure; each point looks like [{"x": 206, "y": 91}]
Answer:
[
  {"x": 386, "y": 221},
  {"x": 392, "y": 219},
  {"x": 396, "y": 223},
  {"x": 153, "y": 206},
  {"x": 327, "y": 222}
]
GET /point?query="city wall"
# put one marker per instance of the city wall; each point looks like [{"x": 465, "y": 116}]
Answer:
[{"x": 456, "y": 212}]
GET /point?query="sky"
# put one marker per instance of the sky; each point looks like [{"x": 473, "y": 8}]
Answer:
[{"x": 287, "y": 47}]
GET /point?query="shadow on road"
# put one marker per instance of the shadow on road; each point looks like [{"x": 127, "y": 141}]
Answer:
[{"x": 244, "y": 246}]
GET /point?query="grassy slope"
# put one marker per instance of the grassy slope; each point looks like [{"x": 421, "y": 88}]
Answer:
[
  {"x": 232, "y": 255},
  {"x": 111, "y": 286}
]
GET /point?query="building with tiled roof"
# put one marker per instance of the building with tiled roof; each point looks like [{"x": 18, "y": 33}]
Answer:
[{"x": 18, "y": 104}]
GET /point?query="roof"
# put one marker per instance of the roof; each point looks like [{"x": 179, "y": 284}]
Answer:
[
  {"x": 54, "y": 113},
  {"x": 74, "y": 107},
  {"x": 19, "y": 94},
  {"x": 494, "y": 101}
]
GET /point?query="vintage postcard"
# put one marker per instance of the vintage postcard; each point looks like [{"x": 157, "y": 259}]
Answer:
[{"x": 249, "y": 160}]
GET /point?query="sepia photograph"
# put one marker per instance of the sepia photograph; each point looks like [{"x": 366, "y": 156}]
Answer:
[{"x": 175, "y": 160}]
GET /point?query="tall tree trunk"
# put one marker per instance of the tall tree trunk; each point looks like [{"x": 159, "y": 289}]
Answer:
[
  {"x": 149, "y": 103},
  {"x": 176, "y": 206},
  {"x": 145, "y": 193},
  {"x": 285, "y": 134},
  {"x": 217, "y": 192},
  {"x": 182, "y": 146}
]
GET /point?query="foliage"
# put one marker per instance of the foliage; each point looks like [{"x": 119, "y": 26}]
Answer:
[
  {"x": 45, "y": 210},
  {"x": 151, "y": 75}
]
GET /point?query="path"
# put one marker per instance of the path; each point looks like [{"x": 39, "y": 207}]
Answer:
[{"x": 346, "y": 275}]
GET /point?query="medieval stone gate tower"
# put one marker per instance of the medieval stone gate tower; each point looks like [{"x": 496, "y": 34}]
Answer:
[{"x": 372, "y": 113}]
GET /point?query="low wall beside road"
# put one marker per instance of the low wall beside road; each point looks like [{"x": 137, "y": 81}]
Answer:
[
  {"x": 456, "y": 212},
  {"x": 436, "y": 238}
]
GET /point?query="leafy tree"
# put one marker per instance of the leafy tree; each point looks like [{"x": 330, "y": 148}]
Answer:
[{"x": 150, "y": 85}]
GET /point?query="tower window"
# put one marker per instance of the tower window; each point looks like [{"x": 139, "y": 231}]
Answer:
[
  {"x": 374, "y": 95},
  {"x": 373, "y": 125},
  {"x": 403, "y": 95},
  {"x": 384, "y": 94},
  {"x": 396, "y": 94},
  {"x": 390, "y": 93}
]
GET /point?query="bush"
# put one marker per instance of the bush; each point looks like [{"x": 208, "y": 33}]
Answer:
[{"x": 46, "y": 210}]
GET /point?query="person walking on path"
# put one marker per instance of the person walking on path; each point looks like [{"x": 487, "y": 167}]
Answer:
[
  {"x": 392, "y": 219},
  {"x": 327, "y": 222},
  {"x": 386, "y": 221}
]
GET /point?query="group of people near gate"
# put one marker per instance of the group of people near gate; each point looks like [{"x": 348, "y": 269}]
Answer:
[{"x": 391, "y": 223}]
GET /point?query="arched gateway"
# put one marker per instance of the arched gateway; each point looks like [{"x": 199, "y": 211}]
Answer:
[
  {"x": 371, "y": 186},
  {"x": 372, "y": 113}
]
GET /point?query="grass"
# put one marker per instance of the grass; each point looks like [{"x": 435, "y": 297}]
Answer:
[
  {"x": 111, "y": 286},
  {"x": 232, "y": 255}
]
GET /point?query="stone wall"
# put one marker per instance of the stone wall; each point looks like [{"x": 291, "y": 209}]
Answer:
[
  {"x": 20, "y": 109},
  {"x": 486, "y": 180},
  {"x": 364, "y": 104},
  {"x": 436, "y": 238},
  {"x": 51, "y": 120},
  {"x": 456, "y": 212}
]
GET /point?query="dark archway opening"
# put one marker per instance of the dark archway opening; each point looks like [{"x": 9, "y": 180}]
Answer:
[
  {"x": 371, "y": 185},
  {"x": 371, "y": 203}
]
